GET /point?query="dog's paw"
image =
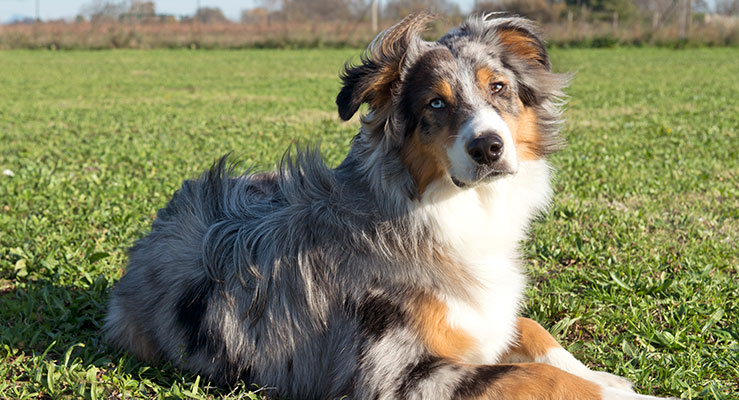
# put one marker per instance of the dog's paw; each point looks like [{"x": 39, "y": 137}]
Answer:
[
  {"x": 614, "y": 387},
  {"x": 562, "y": 359},
  {"x": 610, "y": 380}
]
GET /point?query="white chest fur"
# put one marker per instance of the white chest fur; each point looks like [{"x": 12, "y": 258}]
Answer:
[{"x": 481, "y": 229}]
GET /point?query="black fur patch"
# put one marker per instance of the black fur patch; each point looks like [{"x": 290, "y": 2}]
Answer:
[
  {"x": 356, "y": 81},
  {"x": 415, "y": 373},
  {"x": 348, "y": 389},
  {"x": 419, "y": 78},
  {"x": 191, "y": 308},
  {"x": 246, "y": 374},
  {"x": 377, "y": 315},
  {"x": 216, "y": 183},
  {"x": 528, "y": 95},
  {"x": 476, "y": 383}
]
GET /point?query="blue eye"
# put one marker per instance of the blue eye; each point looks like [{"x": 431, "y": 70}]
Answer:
[{"x": 437, "y": 104}]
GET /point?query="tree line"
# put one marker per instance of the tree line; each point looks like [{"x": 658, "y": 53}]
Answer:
[
  {"x": 321, "y": 23},
  {"x": 544, "y": 11}
]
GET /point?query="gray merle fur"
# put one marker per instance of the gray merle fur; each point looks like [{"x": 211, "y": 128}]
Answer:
[{"x": 299, "y": 279}]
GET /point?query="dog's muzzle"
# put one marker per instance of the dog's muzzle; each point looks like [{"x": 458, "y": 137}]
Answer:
[{"x": 486, "y": 149}]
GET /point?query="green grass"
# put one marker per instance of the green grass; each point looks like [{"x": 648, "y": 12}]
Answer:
[{"x": 634, "y": 268}]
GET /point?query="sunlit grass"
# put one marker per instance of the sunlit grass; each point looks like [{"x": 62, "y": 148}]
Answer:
[{"x": 634, "y": 267}]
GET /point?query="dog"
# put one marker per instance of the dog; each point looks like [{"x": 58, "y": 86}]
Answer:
[{"x": 395, "y": 275}]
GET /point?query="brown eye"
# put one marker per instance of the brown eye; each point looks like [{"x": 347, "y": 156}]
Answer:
[{"x": 496, "y": 87}]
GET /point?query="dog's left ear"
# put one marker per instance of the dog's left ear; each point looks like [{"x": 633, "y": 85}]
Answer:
[
  {"x": 519, "y": 45},
  {"x": 528, "y": 56},
  {"x": 374, "y": 79},
  {"x": 520, "y": 38}
]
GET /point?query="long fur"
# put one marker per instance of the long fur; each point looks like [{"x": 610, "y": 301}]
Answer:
[{"x": 364, "y": 280}]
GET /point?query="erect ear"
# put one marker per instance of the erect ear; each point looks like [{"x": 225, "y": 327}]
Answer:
[{"x": 373, "y": 80}]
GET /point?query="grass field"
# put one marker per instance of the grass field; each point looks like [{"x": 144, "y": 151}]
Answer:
[{"x": 635, "y": 267}]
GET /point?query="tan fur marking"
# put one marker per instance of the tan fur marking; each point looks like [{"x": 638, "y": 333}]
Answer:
[
  {"x": 484, "y": 77},
  {"x": 441, "y": 339},
  {"x": 541, "y": 381},
  {"x": 444, "y": 89},
  {"x": 533, "y": 340},
  {"x": 526, "y": 136},
  {"x": 425, "y": 161},
  {"x": 381, "y": 91},
  {"x": 522, "y": 45}
]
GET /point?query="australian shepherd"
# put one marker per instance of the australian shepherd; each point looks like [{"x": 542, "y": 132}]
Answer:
[{"x": 395, "y": 275}]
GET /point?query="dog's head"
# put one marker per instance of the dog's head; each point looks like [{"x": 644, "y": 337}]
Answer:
[{"x": 467, "y": 108}]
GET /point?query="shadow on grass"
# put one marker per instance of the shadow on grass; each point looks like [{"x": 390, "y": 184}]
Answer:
[{"x": 53, "y": 345}]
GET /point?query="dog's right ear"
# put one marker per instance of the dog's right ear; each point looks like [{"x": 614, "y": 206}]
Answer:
[{"x": 373, "y": 80}]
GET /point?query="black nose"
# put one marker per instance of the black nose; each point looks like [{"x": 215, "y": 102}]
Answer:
[{"x": 486, "y": 148}]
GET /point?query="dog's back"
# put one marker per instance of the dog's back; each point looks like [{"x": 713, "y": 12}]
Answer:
[{"x": 214, "y": 289}]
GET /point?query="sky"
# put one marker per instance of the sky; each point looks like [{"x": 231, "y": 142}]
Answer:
[{"x": 55, "y": 9}]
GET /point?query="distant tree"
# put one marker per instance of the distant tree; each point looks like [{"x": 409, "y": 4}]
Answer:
[
  {"x": 210, "y": 15},
  {"x": 312, "y": 9},
  {"x": 141, "y": 11},
  {"x": 21, "y": 20},
  {"x": 701, "y": 6},
  {"x": 142, "y": 8},
  {"x": 358, "y": 8},
  {"x": 626, "y": 9},
  {"x": 727, "y": 7},
  {"x": 582, "y": 3},
  {"x": 604, "y": 9},
  {"x": 254, "y": 15},
  {"x": 540, "y": 10},
  {"x": 271, "y": 5},
  {"x": 668, "y": 11},
  {"x": 600, "y": 5},
  {"x": 103, "y": 11},
  {"x": 316, "y": 9},
  {"x": 396, "y": 9},
  {"x": 658, "y": 10}
]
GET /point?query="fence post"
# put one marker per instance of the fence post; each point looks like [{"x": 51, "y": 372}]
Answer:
[
  {"x": 569, "y": 20},
  {"x": 374, "y": 16},
  {"x": 615, "y": 20}
]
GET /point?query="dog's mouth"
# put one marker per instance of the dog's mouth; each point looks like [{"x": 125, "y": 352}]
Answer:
[
  {"x": 482, "y": 175},
  {"x": 458, "y": 182}
]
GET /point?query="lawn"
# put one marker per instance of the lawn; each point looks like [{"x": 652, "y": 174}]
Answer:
[{"x": 634, "y": 268}]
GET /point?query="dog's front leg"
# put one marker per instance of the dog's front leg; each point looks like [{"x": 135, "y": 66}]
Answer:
[{"x": 535, "y": 344}]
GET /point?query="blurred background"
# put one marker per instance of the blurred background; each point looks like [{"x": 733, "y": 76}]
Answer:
[
  {"x": 634, "y": 267},
  {"x": 97, "y": 24}
]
